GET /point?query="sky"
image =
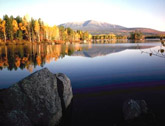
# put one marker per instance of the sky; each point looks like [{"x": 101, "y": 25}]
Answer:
[{"x": 127, "y": 13}]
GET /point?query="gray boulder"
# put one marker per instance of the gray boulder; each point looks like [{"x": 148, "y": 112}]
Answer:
[
  {"x": 134, "y": 108},
  {"x": 66, "y": 89},
  {"x": 38, "y": 99}
]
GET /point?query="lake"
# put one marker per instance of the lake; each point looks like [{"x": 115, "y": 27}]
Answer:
[{"x": 103, "y": 76}]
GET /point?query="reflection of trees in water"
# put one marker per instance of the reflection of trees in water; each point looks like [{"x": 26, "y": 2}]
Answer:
[
  {"x": 32, "y": 55},
  {"x": 156, "y": 52},
  {"x": 110, "y": 41}
]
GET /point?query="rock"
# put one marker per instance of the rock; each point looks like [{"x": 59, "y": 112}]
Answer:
[
  {"x": 134, "y": 108},
  {"x": 143, "y": 106},
  {"x": 38, "y": 99},
  {"x": 136, "y": 113},
  {"x": 65, "y": 87}
]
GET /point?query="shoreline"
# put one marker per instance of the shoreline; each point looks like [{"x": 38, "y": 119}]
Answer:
[{"x": 80, "y": 42}]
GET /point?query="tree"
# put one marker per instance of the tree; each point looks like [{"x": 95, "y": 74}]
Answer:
[
  {"x": 77, "y": 36},
  {"x": 55, "y": 33},
  {"x": 3, "y": 29},
  {"x": 32, "y": 24},
  {"x": 15, "y": 27},
  {"x": 70, "y": 33},
  {"x": 26, "y": 22},
  {"x": 42, "y": 30},
  {"x": 121, "y": 37},
  {"x": 9, "y": 27},
  {"x": 85, "y": 36},
  {"x": 137, "y": 35},
  {"x": 89, "y": 37},
  {"x": 61, "y": 33},
  {"x": 37, "y": 30},
  {"x": 20, "y": 35},
  {"x": 18, "y": 19},
  {"x": 111, "y": 36}
]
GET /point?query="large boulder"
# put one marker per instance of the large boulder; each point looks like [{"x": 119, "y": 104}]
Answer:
[
  {"x": 38, "y": 99},
  {"x": 65, "y": 89}
]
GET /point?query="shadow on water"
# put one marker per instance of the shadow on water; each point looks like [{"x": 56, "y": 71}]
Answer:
[
  {"x": 67, "y": 116},
  {"x": 60, "y": 88},
  {"x": 105, "y": 108}
]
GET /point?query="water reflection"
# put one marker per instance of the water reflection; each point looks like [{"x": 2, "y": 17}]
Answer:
[
  {"x": 32, "y": 55},
  {"x": 87, "y": 65},
  {"x": 112, "y": 41},
  {"x": 158, "y": 51},
  {"x": 105, "y": 49}
]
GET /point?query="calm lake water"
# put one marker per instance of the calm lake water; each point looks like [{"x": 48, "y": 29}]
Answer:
[{"x": 102, "y": 75}]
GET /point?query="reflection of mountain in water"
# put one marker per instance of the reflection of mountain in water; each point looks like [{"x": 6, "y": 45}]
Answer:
[
  {"x": 29, "y": 56},
  {"x": 102, "y": 50}
]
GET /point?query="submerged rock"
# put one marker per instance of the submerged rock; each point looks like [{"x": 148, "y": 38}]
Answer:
[
  {"x": 38, "y": 99},
  {"x": 136, "y": 113},
  {"x": 134, "y": 108}
]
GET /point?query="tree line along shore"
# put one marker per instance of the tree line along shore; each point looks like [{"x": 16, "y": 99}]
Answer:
[
  {"x": 21, "y": 30},
  {"x": 26, "y": 29}
]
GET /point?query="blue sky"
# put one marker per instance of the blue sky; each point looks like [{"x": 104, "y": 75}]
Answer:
[{"x": 128, "y": 13}]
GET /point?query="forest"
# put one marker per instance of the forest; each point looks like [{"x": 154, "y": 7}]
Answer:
[
  {"x": 26, "y": 29},
  {"x": 21, "y": 30}
]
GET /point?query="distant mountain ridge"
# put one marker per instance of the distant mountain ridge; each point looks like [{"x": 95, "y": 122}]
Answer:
[{"x": 95, "y": 27}]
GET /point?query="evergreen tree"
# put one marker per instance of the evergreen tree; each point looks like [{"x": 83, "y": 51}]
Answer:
[
  {"x": 9, "y": 27},
  {"x": 32, "y": 24}
]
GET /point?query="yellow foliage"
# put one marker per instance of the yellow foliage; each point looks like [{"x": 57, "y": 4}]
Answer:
[
  {"x": 2, "y": 26},
  {"x": 90, "y": 36},
  {"x": 65, "y": 32},
  {"x": 17, "y": 61},
  {"x": 26, "y": 18},
  {"x": 46, "y": 28},
  {"x": 112, "y": 36},
  {"x": 52, "y": 32},
  {"x": 38, "y": 59},
  {"x": 36, "y": 27},
  {"x": 25, "y": 23},
  {"x": 15, "y": 26},
  {"x": 44, "y": 32},
  {"x": 55, "y": 32},
  {"x": 22, "y": 27},
  {"x": 77, "y": 36}
]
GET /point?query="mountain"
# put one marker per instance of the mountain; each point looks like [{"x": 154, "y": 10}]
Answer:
[{"x": 95, "y": 27}]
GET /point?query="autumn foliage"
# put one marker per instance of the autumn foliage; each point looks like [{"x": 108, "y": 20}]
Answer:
[{"x": 31, "y": 30}]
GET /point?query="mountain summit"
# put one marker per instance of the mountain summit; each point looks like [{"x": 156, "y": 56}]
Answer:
[
  {"x": 96, "y": 27},
  {"x": 93, "y": 26}
]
